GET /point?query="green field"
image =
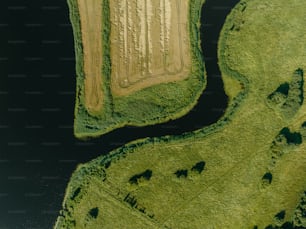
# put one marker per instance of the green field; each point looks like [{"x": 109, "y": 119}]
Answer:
[
  {"x": 149, "y": 105},
  {"x": 246, "y": 171}
]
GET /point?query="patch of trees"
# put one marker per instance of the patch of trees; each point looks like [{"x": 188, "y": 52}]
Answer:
[
  {"x": 237, "y": 25},
  {"x": 106, "y": 68},
  {"x": 279, "y": 218},
  {"x": 289, "y": 225},
  {"x": 196, "y": 168},
  {"x": 291, "y": 137},
  {"x": 68, "y": 220},
  {"x": 199, "y": 167},
  {"x": 283, "y": 142},
  {"x": 107, "y": 164},
  {"x": 281, "y": 92},
  {"x": 269, "y": 227},
  {"x": 303, "y": 129},
  {"x": 289, "y": 97},
  {"x": 76, "y": 193},
  {"x": 296, "y": 93},
  {"x": 300, "y": 212},
  {"x": 299, "y": 219},
  {"x": 93, "y": 213},
  {"x": 182, "y": 173},
  {"x": 267, "y": 178},
  {"x": 132, "y": 201},
  {"x": 286, "y": 225},
  {"x": 243, "y": 6},
  {"x": 281, "y": 215},
  {"x": 239, "y": 17},
  {"x": 146, "y": 175}
]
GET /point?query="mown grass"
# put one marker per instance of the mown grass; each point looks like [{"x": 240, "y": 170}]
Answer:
[
  {"x": 155, "y": 104},
  {"x": 246, "y": 171}
]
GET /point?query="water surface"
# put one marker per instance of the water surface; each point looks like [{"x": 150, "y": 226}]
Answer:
[{"x": 38, "y": 152}]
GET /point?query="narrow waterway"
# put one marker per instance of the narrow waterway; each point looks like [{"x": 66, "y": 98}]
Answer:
[{"x": 38, "y": 152}]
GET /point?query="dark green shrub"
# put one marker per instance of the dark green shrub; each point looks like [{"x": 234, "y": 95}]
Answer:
[
  {"x": 289, "y": 96},
  {"x": 181, "y": 173},
  {"x": 94, "y": 212},
  {"x": 76, "y": 193},
  {"x": 281, "y": 215},
  {"x": 267, "y": 177},
  {"x": 107, "y": 164},
  {"x": 145, "y": 175},
  {"x": 283, "y": 89},
  {"x": 131, "y": 200},
  {"x": 288, "y": 225},
  {"x": 198, "y": 167},
  {"x": 291, "y": 137}
]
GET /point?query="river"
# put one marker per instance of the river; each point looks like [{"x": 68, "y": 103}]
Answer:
[{"x": 38, "y": 152}]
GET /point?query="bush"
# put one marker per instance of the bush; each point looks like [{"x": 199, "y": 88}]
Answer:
[
  {"x": 181, "y": 173},
  {"x": 199, "y": 167},
  {"x": 291, "y": 137},
  {"x": 267, "y": 177},
  {"x": 76, "y": 193},
  {"x": 281, "y": 215},
  {"x": 94, "y": 212},
  {"x": 146, "y": 175},
  {"x": 289, "y": 96}
]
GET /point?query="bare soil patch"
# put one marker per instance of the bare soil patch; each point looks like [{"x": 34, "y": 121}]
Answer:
[
  {"x": 150, "y": 43},
  {"x": 91, "y": 27}
]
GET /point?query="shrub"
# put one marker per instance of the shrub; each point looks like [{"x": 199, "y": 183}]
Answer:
[
  {"x": 267, "y": 177},
  {"x": 94, "y": 212},
  {"x": 199, "y": 167},
  {"x": 291, "y": 137},
  {"x": 181, "y": 173},
  {"x": 76, "y": 193},
  {"x": 146, "y": 175},
  {"x": 281, "y": 215}
]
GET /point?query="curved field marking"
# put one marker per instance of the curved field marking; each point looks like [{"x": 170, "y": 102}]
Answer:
[{"x": 150, "y": 46}]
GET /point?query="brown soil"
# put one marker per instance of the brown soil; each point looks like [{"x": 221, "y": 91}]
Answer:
[
  {"x": 150, "y": 43},
  {"x": 91, "y": 27}
]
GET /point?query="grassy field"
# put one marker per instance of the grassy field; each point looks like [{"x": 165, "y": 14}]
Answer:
[
  {"x": 245, "y": 171},
  {"x": 137, "y": 62}
]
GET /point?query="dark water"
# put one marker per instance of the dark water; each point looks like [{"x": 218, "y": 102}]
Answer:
[{"x": 38, "y": 152}]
